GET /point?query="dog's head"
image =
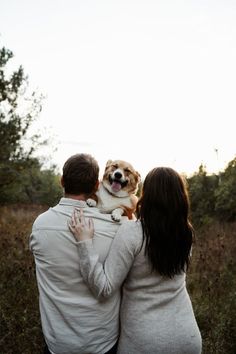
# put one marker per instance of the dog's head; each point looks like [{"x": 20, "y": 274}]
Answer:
[{"x": 120, "y": 178}]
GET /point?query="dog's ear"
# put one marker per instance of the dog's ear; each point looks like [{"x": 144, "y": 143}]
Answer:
[
  {"x": 109, "y": 162},
  {"x": 138, "y": 176}
]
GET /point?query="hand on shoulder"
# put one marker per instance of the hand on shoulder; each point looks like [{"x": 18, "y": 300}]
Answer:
[{"x": 81, "y": 228}]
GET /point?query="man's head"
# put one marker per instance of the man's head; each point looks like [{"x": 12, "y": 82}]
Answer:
[{"x": 80, "y": 175}]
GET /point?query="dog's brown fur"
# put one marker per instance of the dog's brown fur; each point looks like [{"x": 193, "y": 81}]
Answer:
[{"x": 117, "y": 189}]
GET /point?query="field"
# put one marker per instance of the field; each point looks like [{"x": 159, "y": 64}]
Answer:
[{"x": 211, "y": 283}]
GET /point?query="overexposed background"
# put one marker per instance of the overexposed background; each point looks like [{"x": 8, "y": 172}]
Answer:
[{"x": 151, "y": 82}]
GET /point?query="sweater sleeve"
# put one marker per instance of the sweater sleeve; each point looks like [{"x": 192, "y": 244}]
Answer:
[{"x": 105, "y": 279}]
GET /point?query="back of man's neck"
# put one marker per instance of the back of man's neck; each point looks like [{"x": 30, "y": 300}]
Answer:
[{"x": 76, "y": 197}]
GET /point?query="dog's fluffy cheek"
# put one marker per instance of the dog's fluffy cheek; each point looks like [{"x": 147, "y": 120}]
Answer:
[{"x": 133, "y": 181}]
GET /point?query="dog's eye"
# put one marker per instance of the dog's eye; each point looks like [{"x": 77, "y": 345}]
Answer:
[
  {"x": 127, "y": 170},
  {"x": 115, "y": 166}
]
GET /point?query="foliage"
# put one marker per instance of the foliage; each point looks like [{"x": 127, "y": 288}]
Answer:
[
  {"x": 33, "y": 185},
  {"x": 18, "y": 110},
  {"x": 201, "y": 189},
  {"x": 22, "y": 178},
  {"x": 226, "y": 194},
  {"x": 213, "y": 197},
  {"x": 211, "y": 283}
]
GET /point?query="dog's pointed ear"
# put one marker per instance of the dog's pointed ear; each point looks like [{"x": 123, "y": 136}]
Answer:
[{"x": 109, "y": 162}]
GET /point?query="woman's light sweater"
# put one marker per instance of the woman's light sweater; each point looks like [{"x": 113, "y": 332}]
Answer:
[{"x": 156, "y": 312}]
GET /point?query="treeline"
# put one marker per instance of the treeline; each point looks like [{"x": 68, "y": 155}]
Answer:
[
  {"x": 23, "y": 179},
  {"x": 213, "y": 197}
]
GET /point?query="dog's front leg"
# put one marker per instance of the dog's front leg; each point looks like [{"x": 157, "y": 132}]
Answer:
[{"x": 116, "y": 214}]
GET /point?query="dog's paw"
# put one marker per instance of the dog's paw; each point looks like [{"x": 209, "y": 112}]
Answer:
[
  {"x": 91, "y": 202},
  {"x": 116, "y": 214}
]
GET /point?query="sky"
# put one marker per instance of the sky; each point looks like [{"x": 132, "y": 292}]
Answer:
[{"x": 149, "y": 82}]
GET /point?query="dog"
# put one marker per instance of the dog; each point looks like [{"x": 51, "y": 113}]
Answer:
[{"x": 116, "y": 192}]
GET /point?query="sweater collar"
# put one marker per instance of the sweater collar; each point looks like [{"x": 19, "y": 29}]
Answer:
[{"x": 73, "y": 202}]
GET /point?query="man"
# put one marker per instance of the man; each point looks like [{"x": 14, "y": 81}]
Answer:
[{"x": 73, "y": 321}]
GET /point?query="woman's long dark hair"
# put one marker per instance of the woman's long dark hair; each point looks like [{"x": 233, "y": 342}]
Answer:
[{"x": 163, "y": 210}]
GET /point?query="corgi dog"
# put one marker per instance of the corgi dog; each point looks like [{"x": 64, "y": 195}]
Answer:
[{"x": 116, "y": 192}]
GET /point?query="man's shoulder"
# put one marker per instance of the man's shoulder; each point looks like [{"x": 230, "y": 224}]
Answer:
[
  {"x": 95, "y": 213},
  {"x": 43, "y": 217}
]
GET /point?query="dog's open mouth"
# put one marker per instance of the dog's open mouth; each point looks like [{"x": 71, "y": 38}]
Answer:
[{"x": 116, "y": 184}]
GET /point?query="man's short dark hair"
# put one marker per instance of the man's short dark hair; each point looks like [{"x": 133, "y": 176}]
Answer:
[{"x": 80, "y": 174}]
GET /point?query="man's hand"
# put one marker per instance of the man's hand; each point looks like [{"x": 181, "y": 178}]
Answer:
[{"x": 80, "y": 228}]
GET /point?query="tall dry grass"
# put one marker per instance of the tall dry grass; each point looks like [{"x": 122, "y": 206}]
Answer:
[
  {"x": 212, "y": 285},
  {"x": 211, "y": 282},
  {"x": 19, "y": 315}
]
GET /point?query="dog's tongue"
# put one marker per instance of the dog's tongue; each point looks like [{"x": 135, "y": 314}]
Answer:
[{"x": 116, "y": 186}]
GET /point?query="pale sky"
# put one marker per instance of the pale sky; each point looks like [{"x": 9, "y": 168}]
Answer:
[{"x": 150, "y": 82}]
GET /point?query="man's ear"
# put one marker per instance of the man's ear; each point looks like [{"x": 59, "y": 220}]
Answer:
[
  {"x": 96, "y": 186},
  {"x": 62, "y": 182}
]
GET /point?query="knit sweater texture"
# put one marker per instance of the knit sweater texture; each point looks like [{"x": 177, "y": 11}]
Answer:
[
  {"x": 156, "y": 312},
  {"x": 73, "y": 320}
]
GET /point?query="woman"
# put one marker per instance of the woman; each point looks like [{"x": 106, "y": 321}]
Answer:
[{"x": 148, "y": 258}]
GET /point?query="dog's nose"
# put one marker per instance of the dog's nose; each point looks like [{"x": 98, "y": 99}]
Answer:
[{"x": 118, "y": 175}]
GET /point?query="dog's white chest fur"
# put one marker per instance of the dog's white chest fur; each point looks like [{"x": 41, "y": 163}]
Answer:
[{"x": 107, "y": 202}]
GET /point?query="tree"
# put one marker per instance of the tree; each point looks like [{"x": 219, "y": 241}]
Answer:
[
  {"x": 19, "y": 108},
  {"x": 226, "y": 194},
  {"x": 17, "y": 111},
  {"x": 201, "y": 190}
]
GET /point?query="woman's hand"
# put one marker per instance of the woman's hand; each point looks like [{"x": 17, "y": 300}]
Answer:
[{"x": 80, "y": 228}]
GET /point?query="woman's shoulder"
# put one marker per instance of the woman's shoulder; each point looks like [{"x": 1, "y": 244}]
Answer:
[
  {"x": 131, "y": 231},
  {"x": 133, "y": 225}
]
